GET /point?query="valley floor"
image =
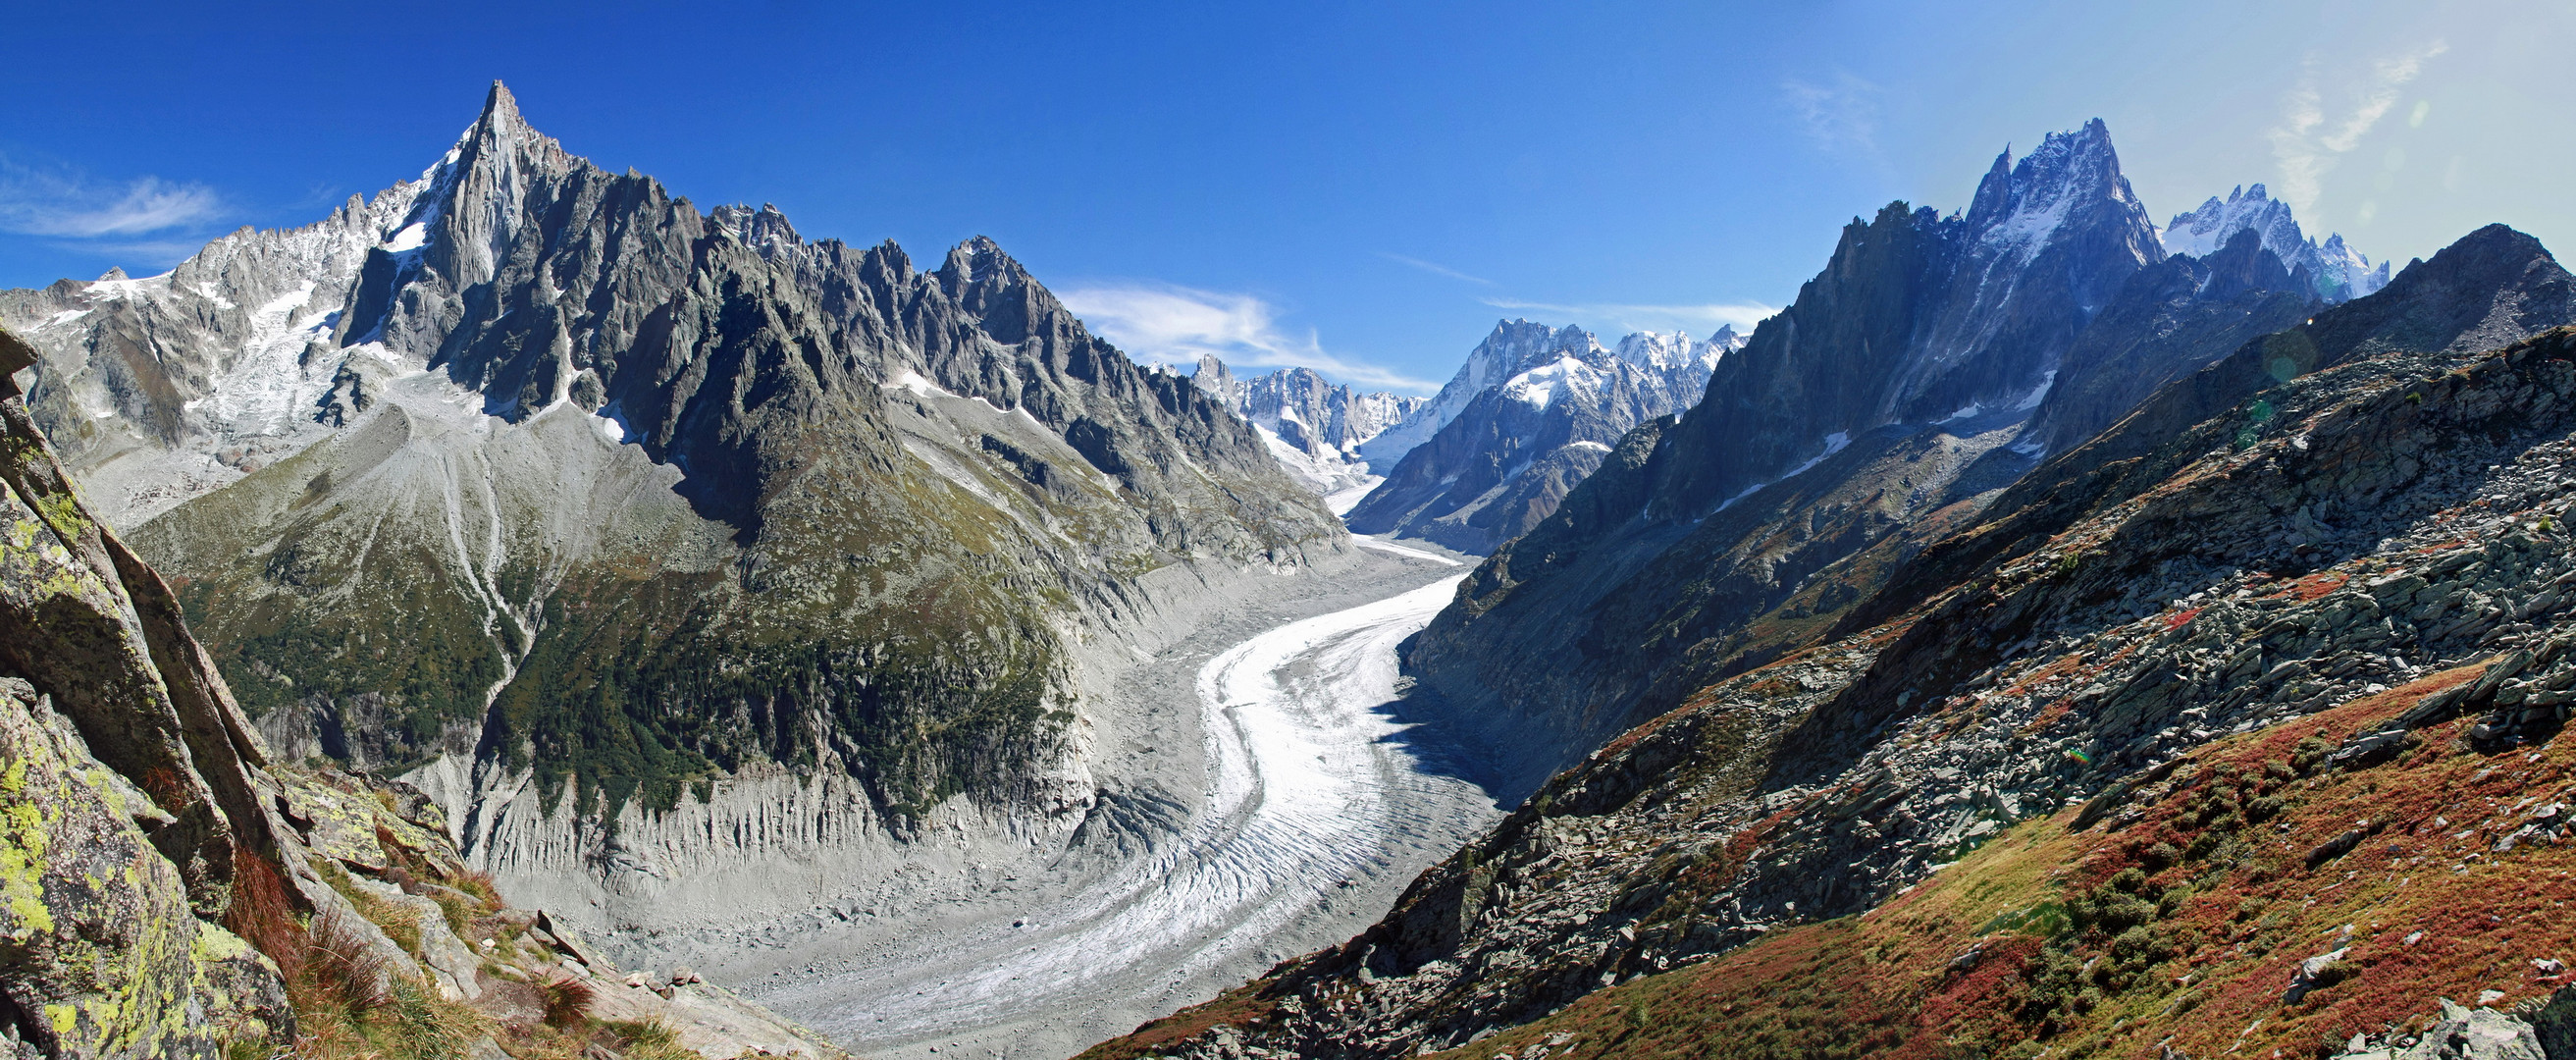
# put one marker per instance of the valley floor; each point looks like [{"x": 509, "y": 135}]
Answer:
[{"x": 1320, "y": 804}]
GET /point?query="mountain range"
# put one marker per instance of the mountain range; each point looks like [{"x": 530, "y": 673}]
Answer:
[
  {"x": 1530, "y": 414},
  {"x": 1312, "y": 425},
  {"x": 615, "y": 524},
  {"x": 2336, "y": 272},
  {"x": 2152, "y": 654},
  {"x": 2050, "y": 634}
]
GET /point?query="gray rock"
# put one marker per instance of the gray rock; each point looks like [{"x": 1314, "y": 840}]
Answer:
[{"x": 2476, "y": 1034}]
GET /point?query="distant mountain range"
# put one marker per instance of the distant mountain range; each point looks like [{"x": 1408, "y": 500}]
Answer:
[
  {"x": 1530, "y": 414},
  {"x": 1315, "y": 427},
  {"x": 2336, "y": 273}
]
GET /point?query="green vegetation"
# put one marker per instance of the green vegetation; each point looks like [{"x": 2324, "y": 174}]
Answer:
[
  {"x": 423, "y": 650},
  {"x": 639, "y": 689}
]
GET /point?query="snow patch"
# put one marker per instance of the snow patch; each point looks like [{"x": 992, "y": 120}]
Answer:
[
  {"x": 1380, "y": 545},
  {"x": 912, "y": 381},
  {"x": 1538, "y": 386},
  {"x": 111, "y": 290},
  {"x": 612, "y": 423},
  {"x": 1834, "y": 443},
  {"x": 410, "y": 238}
]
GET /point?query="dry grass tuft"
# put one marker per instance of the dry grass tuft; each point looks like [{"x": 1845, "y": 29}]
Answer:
[
  {"x": 651, "y": 1040},
  {"x": 568, "y": 999},
  {"x": 354, "y": 1001},
  {"x": 261, "y": 913}
]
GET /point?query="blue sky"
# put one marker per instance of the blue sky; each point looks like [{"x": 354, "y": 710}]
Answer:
[{"x": 1362, "y": 187}]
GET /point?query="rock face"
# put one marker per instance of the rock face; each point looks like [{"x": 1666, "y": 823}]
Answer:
[
  {"x": 1530, "y": 414},
  {"x": 130, "y": 804},
  {"x": 2169, "y": 320},
  {"x": 1314, "y": 426},
  {"x": 532, "y": 470},
  {"x": 2244, "y": 708}
]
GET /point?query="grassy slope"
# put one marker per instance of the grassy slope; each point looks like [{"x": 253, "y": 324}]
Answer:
[{"x": 2194, "y": 951}]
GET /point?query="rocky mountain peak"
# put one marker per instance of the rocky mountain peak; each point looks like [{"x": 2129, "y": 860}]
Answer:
[
  {"x": 1656, "y": 351},
  {"x": 979, "y": 263},
  {"x": 2200, "y": 232},
  {"x": 2024, "y": 203},
  {"x": 2245, "y": 263},
  {"x": 1516, "y": 346},
  {"x": 2491, "y": 287},
  {"x": 1312, "y": 425},
  {"x": 765, "y": 229},
  {"x": 1218, "y": 380},
  {"x": 991, "y": 284},
  {"x": 1533, "y": 411},
  {"x": 2335, "y": 271},
  {"x": 500, "y": 111}
]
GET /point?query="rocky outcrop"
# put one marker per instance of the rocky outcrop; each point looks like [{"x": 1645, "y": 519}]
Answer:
[
  {"x": 128, "y": 791},
  {"x": 1531, "y": 413}
]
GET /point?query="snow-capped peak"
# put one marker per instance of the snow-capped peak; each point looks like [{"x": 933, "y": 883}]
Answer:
[
  {"x": 2019, "y": 207},
  {"x": 2338, "y": 272},
  {"x": 1655, "y": 351}
]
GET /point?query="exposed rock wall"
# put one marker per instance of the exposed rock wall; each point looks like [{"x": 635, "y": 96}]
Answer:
[{"x": 128, "y": 794}]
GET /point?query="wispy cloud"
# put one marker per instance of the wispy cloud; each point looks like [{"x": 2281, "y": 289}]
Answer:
[
  {"x": 148, "y": 221},
  {"x": 1838, "y": 113},
  {"x": 1434, "y": 268},
  {"x": 2309, "y": 140},
  {"x": 40, "y": 203},
  {"x": 1180, "y": 324},
  {"x": 1701, "y": 318}
]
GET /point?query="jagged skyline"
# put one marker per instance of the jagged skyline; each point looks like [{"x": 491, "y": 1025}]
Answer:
[{"x": 1368, "y": 192}]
